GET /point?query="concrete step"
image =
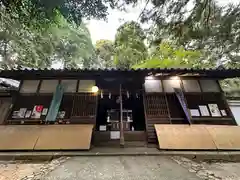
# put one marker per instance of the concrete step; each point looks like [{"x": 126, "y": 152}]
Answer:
[
  {"x": 233, "y": 156},
  {"x": 116, "y": 143}
]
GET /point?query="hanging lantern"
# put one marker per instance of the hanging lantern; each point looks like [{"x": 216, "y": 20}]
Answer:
[
  {"x": 101, "y": 95},
  {"x": 94, "y": 89},
  {"x": 110, "y": 95}
]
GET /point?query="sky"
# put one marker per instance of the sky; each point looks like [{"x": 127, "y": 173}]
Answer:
[{"x": 101, "y": 29}]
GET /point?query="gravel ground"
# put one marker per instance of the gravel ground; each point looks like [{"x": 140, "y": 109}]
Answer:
[{"x": 120, "y": 168}]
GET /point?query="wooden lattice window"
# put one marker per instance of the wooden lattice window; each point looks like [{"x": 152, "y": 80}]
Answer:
[
  {"x": 156, "y": 106},
  {"x": 84, "y": 105}
]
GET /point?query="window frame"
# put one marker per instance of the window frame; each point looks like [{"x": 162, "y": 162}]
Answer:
[
  {"x": 48, "y": 92},
  {"x": 31, "y": 92},
  {"x": 161, "y": 89}
]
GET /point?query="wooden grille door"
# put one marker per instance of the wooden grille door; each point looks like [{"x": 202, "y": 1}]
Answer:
[
  {"x": 84, "y": 108},
  {"x": 156, "y": 112},
  {"x": 156, "y": 106}
]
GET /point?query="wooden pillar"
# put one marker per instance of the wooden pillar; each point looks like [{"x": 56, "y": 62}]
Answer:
[{"x": 121, "y": 118}]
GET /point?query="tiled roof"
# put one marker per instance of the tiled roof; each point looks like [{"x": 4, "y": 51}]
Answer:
[
  {"x": 112, "y": 69},
  {"x": 19, "y": 73}
]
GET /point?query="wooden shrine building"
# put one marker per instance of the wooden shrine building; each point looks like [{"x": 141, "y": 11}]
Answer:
[{"x": 73, "y": 108}]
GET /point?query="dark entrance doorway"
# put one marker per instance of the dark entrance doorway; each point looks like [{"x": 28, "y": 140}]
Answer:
[
  {"x": 108, "y": 110},
  {"x": 133, "y": 110}
]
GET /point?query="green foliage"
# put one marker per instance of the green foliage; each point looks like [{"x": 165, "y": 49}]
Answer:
[
  {"x": 35, "y": 33},
  {"x": 20, "y": 44},
  {"x": 168, "y": 56},
  {"x": 105, "y": 52},
  {"x": 128, "y": 33},
  {"x": 72, "y": 43},
  {"x": 231, "y": 87},
  {"x": 157, "y": 63},
  {"x": 203, "y": 25},
  {"x": 32, "y": 46},
  {"x": 125, "y": 57},
  {"x": 129, "y": 45},
  {"x": 72, "y": 10}
]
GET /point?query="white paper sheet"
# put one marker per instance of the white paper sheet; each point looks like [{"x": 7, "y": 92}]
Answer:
[
  {"x": 214, "y": 110},
  {"x": 223, "y": 112},
  {"x": 102, "y": 128},
  {"x": 44, "y": 111},
  {"x": 28, "y": 114},
  {"x": 115, "y": 135},
  {"x": 204, "y": 110},
  {"x": 194, "y": 112},
  {"x": 22, "y": 112}
]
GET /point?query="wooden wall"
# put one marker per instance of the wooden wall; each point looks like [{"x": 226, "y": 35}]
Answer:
[
  {"x": 163, "y": 108},
  {"x": 79, "y": 107},
  {"x": 194, "y": 100}
]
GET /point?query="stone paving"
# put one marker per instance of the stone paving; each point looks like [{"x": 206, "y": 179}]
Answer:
[
  {"x": 21, "y": 170},
  {"x": 211, "y": 171},
  {"x": 120, "y": 167}
]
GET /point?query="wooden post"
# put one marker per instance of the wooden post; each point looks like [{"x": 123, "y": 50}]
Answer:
[{"x": 121, "y": 118}]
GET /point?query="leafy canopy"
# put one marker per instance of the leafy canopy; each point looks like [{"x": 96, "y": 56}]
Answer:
[
  {"x": 105, "y": 52},
  {"x": 198, "y": 25},
  {"x": 129, "y": 45},
  {"x": 30, "y": 46},
  {"x": 168, "y": 56}
]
